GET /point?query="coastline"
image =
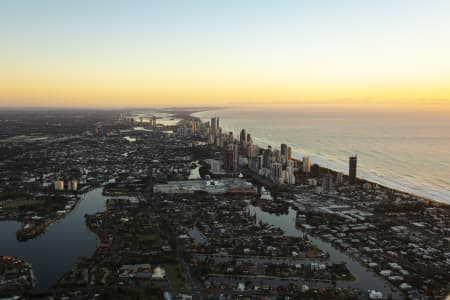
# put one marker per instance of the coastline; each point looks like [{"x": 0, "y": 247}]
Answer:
[{"x": 426, "y": 199}]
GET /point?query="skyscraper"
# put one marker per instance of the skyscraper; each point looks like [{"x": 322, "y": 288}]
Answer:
[
  {"x": 352, "y": 169},
  {"x": 214, "y": 128},
  {"x": 231, "y": 162},
  {"x": 228, "y": 160},
  {"x": 276, "y": 173},
  {"x": 230, "y": 137},
  {"x": 252, "y": 163},
  {"x": 219, "y": 137},
  {"x": 236, "y": 158},
  {"x": 243, "y": 137},
  {"x": 260, "y": 161},
  {"x": 315, "y": 170},
  {"x": 290, "y": 177},
  {"x": 283, "y": 149},
  {"x": 276, "y": 156},
  {"x": 339, "y": 178},
  {"x": 306, "y": 164},
  {"x": 253, "y": 150},
  {"x": 194, "y": 127},
  {"x": 210, "y": 136},
  {"x": 284, "y": 153},
  {"x": 267, "y": 157},
  {"x": 249, "y": 139},
  {"x": 327, "y": 183}
]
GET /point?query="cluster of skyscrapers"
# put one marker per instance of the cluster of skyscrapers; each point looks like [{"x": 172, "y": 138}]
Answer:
[
  {"x": 278, "y": 165},
  {"x": 189, "y": 128},
  {"x": 139, "y": 121}
]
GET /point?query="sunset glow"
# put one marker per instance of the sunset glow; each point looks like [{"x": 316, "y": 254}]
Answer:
[{"x": 330, "y": 54}]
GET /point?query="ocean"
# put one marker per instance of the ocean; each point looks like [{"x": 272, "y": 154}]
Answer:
[{"x": 408, "y": 151}]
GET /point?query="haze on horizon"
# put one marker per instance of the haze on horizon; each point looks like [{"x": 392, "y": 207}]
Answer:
[{"x": 383, "y": 54}]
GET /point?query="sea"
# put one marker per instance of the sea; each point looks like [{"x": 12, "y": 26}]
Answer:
[{"x": 408, "y": 151}]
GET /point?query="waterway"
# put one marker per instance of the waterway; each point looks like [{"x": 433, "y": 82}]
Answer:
[
  {"x": 365, "y": 278},
  {"x": 55, "y": 252},
  {"x": 198, "y": 236}
]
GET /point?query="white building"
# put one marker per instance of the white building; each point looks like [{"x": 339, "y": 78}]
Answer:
[
  {"x": 290, "y": 177},
  {"x": 375, "y": 294},
  {"x": 59, "y": 185},
  {"x": 72, "y": 185}
]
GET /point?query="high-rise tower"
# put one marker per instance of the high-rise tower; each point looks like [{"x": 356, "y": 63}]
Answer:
[
  {"x": 284, "y": 154},
  {"x": 306, "y": 166},
  {"x": 352, "y": 169}
]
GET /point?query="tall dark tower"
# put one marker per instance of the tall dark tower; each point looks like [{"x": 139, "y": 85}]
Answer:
[
  {"x": 213, "y": 127},
  {"x": 284, "y": 154},
  {"x": 267, "y": 158},
  {"x": 352, "y": 169},
  {"x": 243, "y": 137}
]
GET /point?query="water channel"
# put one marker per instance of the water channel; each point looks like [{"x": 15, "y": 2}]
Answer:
[
  {"x": 55, "y": 252},
  {"x": 365, "y": 278}
]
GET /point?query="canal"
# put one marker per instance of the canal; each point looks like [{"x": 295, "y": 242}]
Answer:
[
  {"x": 365, "y": 278},
  {"x": 55, "y": 252}
]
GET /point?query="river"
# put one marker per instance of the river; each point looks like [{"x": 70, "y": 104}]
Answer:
[{"x": 55, "y": 252}]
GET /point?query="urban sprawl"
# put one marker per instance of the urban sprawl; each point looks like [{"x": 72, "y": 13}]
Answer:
[{"x": 193, "y": 212}]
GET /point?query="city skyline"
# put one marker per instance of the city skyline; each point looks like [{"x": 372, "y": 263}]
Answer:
[
  {"x": 193, "y": 208},
  {"x": 383, "y": 55}
]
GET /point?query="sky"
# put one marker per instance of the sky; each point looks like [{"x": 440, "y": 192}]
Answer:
[{"x": 348, "y": 53}]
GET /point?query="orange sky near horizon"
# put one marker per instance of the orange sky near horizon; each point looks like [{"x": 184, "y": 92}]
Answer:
[
  {"x": 384, "y": 55},
  {"x": 42, "y": 91}
]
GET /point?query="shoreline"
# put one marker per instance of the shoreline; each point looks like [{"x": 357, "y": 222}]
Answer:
[
  {"x": 23, "y": 282},
  {"x": 24, "y": 234},
  {"x": 364, "y": 180}
]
